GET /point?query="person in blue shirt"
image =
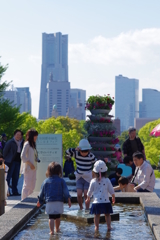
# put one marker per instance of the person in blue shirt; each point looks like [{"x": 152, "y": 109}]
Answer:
[
  {"x": 53, "y": 191},
  {"x": 68, "y": 166}
]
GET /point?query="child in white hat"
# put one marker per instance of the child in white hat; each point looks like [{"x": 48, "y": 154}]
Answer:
[{"x": 99, "y": 187}]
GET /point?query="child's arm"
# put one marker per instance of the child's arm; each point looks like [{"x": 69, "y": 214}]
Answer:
[
  {"x": 69, "y": 202},
  {"x": 117, "y": 188},
  {"x": 90, "y": 191},
  {"x": 66, "y": 192},
  {"x": 113, "y": 198},
  {"x": 71, "y": 152},
  {"x": 87, "y": 200}
]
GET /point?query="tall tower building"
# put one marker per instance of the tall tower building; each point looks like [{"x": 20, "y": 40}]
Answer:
[
  {"x": 126, "y": 101},
  {"x": 150, "y": 105},
  {"x": 55, "y": 61}
]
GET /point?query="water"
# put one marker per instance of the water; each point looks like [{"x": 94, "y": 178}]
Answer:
[{"x": 132, "y": 225}]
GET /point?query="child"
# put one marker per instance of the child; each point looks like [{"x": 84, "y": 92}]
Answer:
[
  {"x": 99, "y": 187},
  {"x": 124, "y": 185},
  {"x": 128, "y": 161},
  {"x": 54, "y": 189},
  {"x": 5, "y": 167},
  {"x": 84, "y": 160},
  {"x": 115, "y": 176},
  {"x": 68, "y": 166}
]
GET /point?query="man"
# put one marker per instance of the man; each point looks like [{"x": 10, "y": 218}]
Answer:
[
  {"x": 133, "y": 144},
  {"x": 11, "y": 153},
  {"x": 144, "y": 178},
  {"x": 4, "y": 140}
]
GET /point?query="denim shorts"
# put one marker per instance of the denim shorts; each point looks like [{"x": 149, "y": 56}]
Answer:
[{"x": 82, "y": 184}]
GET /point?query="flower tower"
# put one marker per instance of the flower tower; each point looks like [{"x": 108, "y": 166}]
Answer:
[{"x": 101, "y": 132}]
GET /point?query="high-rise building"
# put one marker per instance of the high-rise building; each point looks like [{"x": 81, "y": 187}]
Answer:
[
  {"x": 77, "y": 104},
  {"x": 126, "y": 101},
  {"x": 55, "y": 61},
  {"x": 150, "y": 105},
  {"x": 58, "y": 93},
  {"x": 20, "y": 97}
]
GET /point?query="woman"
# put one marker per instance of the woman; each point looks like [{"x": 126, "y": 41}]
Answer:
[{"x": 29, "y": 158}]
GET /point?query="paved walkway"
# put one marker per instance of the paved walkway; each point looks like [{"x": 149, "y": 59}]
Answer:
[{"x": 12, "y": 201}]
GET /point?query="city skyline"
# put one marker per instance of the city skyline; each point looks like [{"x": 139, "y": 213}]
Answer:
[{"x": 100, "y": 47}]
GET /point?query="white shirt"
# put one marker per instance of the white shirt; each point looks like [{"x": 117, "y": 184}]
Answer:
[
  {"x": 100, "y": 190},
  {"x": 145, "y": 177}
]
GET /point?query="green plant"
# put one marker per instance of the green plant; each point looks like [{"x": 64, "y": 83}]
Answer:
[{"x": 99, "y": 102}]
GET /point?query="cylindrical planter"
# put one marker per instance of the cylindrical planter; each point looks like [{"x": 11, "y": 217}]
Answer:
[
  {"x": 100, "y": 111},
  {"x": 102, "y": 153},
  {"x": 99, "y": 139},
  {"x": 97, "y": 118},
  {"x": 101, "y": 144}
]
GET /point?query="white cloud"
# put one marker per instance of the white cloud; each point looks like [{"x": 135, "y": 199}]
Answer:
[{"x": 133, "y": 47}]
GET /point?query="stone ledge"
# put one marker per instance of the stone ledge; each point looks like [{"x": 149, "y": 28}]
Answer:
[
  {"x": 75, "y": 215},
  {"x": 13, "y": 221}
]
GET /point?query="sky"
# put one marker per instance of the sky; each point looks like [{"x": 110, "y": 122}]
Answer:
[{"x": 106, "y": 38}]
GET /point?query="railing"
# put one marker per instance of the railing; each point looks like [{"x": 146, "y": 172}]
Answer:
[{"x": 2, "y": 191}]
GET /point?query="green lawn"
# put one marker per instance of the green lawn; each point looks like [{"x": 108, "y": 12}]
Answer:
[{"x": 157, "y": 173}]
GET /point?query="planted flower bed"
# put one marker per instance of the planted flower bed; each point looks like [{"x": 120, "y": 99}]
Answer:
[{"x": 101, "y": 132}]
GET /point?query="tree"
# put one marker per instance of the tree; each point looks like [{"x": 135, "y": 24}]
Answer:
[
  {"x": 3, "y": 85},
  {"x": 151, "y": 144}
]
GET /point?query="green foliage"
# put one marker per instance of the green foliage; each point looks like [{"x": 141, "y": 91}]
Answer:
[
  {"x": 151, "y": 144},
  {"x": 122, "y": 138},
  {"x": 10, "y": 118},
  {"x": 157, "y": 173},
  {"x": 3, "y": 85}
]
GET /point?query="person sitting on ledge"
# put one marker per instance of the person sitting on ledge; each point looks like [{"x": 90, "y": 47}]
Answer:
[
  {"x": 144, "y": 177},
  {"x": 114, "y": 177},
  {"x": 124, "y": 185}
]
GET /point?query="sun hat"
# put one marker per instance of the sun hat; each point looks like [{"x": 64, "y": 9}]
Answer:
[
  {"x": 84, "y": 145},
  {"x": 100, "y": 166}
]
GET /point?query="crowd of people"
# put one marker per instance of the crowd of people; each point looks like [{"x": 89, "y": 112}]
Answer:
[{"x": 90, "y": 174}]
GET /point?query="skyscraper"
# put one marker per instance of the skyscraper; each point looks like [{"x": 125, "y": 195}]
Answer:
[
  {"x": 126, "y": 101},
  {"x": 150, "y": 105},
  {"x": 77, "y": 104},
  {"x": 58, "y": 93},
  {"x": 20, "y": 97},
  {"x": 55, "y": 61}
]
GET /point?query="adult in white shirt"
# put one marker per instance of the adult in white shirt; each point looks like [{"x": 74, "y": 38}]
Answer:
[
  {"x": 29, "y": 157},
  {"x": 144, "y": 177}
]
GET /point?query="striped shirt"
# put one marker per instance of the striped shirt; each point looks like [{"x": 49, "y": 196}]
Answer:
[{"x": 84, "y": 164}]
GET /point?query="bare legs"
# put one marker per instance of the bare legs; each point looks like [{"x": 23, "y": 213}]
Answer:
[
  {"x": 107, "y": 218},
  {"x": 108, "y": 221},
  {"x": 96, "y": 221},
  {"x": 51, "y": 225},
  {"x": 80, "y": 200}
]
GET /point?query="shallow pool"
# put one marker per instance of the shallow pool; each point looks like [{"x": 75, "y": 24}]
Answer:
[{"x": 132, "y": 225}]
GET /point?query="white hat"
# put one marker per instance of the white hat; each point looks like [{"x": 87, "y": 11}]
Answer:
[
  {"x": 84, "y": 145},
  {"x": 100, "y": 166}
]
